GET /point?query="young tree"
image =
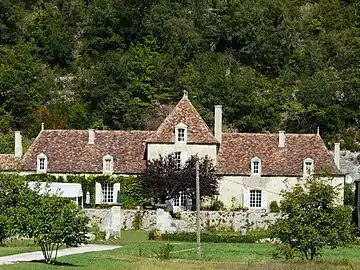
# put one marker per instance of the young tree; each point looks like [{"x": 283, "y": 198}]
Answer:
[
  {"x": 163, "y": 179},
  {"x": 311, "y": 220},
  {"x": 51, "y": 220}
]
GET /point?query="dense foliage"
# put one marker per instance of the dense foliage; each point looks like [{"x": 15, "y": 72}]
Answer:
[
  {"x": 50, "y": 220},
  {"x": 163, "y": 179},
  {"x": 311, "y": 220},
  {"x": 111, "y": 64}
]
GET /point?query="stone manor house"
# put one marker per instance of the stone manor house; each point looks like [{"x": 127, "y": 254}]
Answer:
[{"x": 255, "y": 167}]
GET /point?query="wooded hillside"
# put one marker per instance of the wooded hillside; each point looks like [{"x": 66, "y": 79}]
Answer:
[{"x": 120, "y": 64}]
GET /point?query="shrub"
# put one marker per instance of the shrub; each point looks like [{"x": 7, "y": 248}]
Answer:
[
  {"x": 252, "y": 236},
  {"x": 216, "y": 205},
  {"x": 311, "y": 220},
  {"x": 163, "y": 252},
  {"x": 137, "y": 222},
  {"x": 274, "y": 207}
]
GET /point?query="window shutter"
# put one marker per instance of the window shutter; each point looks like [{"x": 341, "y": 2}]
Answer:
[
  {"x": 97, "y": 193},
  {"x": 246, "y": 197},
  {"x": 115, "y": 191},
  {"x": 264, "y": 200}
]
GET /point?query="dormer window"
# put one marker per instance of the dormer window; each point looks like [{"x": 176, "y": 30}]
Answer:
[
  {"x": 41, "y": 163},
  {"x": 108, "y": 164},
  {"x": 180, "y": 133},
  {"x": 256, "y": 166},
  {"x": 308, "y": 167}
]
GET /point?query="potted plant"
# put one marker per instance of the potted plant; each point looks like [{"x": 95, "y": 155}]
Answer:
[{"x": 157, "y": 235}]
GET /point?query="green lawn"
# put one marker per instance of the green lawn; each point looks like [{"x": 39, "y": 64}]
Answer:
[
  {"x": 138, "y": 253},
  {"x": 17, "y": 246}
]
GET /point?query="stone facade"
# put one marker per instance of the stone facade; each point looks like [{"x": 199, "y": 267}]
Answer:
[
  {"x": 161, "y": 220},
  {"x": 238, "y": 186}
]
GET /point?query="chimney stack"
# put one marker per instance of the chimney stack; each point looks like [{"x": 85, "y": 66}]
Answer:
[
  {"x": 282, "y": 138},
  {"x": 218, "y": 122},
  {"x": 91, "y": 136},
  {"x": 337, "y": 155},
  {"x": 18, "y": 145}
]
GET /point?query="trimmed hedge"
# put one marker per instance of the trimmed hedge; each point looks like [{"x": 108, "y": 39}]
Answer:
[{"x": 252, "y": 236}]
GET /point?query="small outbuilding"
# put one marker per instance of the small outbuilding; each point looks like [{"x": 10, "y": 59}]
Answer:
[{"x": 66, "y": 190}]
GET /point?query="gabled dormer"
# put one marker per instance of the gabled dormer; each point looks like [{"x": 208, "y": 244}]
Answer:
[{"x": 183, "y": 120}]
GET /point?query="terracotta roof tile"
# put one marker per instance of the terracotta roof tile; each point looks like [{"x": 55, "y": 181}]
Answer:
[
  {"x": 237, "y": 150},
  {"x": 68, "y": 151},
  {"x": 8, "y": 162},
  {"x": 184, "y": 112}
]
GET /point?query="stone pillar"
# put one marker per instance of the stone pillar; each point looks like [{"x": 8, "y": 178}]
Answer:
[{"x": 18, "y": 145}]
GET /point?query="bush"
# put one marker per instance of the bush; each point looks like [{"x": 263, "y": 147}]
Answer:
[
  {"x": 274, "y": 207},
  {"x": 163, "y": 252},
  {"x": 216, "y": 205},
  {"x": 311, "y": 220},
  {"x": 252, "y": 236}
]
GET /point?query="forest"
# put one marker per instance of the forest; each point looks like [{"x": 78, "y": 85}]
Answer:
[{"x": 274, "y": 65}]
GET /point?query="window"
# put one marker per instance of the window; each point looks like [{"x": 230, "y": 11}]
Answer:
[
  {"x": 308, "y": 167},
  {"x": 181, "y": 135},
  {"x": 107, "y": 193},
  {"x": 177, "y": 157},
  {"x": 42, "y": 163},
  {"x": 255, "y": 198},
  {"x": 108, "y": 164},
  {"x": 181, "y": 200},
  {"x": 255, "y": 166}
]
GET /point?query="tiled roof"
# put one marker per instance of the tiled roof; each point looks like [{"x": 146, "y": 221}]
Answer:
[
  {"x": 184, "y": 112},
  {"x": 68, "y": 151},
  {"x": 237, "y": 150},
  {"x": 8, "y": 162}
]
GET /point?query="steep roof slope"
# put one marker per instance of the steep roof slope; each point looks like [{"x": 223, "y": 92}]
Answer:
[
  {"x": 68, "y": 151},
  {"x": 184, "y": 112},
  {"x": 8, "y": 162},
  {"x": 237, "y": 150}
]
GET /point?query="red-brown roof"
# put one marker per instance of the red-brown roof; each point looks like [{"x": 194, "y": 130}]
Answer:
[
  {"x": 184, "y": 112},
  {"x": 237, "y": 150},
  {"x": 8, "y": 162},
  {"x": 68, "y": 151}
]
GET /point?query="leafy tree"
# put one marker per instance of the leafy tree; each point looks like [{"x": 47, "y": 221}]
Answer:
[
  {"x": 311, "y": 220},
  {"x": 163, "y": 179},
  {"x": 52, "y": 221}
]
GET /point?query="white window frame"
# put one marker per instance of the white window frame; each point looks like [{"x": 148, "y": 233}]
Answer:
[
  {"x": 254, "y": 161},
  {"x": 107, "y": 193},
  {"x": 308, "y": 162},
  {"x": 40, "y": 157},
  {"x": 178, "y": 127},
  {"x": 178, "y": 159},
  {"x": 255, "y": 198},
  {"x": 105, "y": 160}
]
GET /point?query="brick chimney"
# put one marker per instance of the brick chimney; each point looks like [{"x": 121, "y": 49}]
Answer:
[
  {"x": 282, "y": 138},
  {"x": 18, "y": 145},
  {"x": 91, "y": 136},
  {"x": 218, "y": 122}
]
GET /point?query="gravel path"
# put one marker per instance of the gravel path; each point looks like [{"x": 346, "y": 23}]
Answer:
[{"x": 31, "y": 256}]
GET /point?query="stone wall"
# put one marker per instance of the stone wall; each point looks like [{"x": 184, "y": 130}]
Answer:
[{"x": 108, "y": 220}]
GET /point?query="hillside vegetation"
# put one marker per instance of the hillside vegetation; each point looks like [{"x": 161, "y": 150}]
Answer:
[{"x": 122, "y": 64}]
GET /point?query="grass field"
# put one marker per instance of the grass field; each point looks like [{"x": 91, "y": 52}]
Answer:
[
  {"x": 17, "y": 246},
  {"x": 138, "y": 253}
]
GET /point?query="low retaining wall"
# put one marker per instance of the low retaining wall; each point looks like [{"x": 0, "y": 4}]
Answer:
[{"x": 108, "y": 220}]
